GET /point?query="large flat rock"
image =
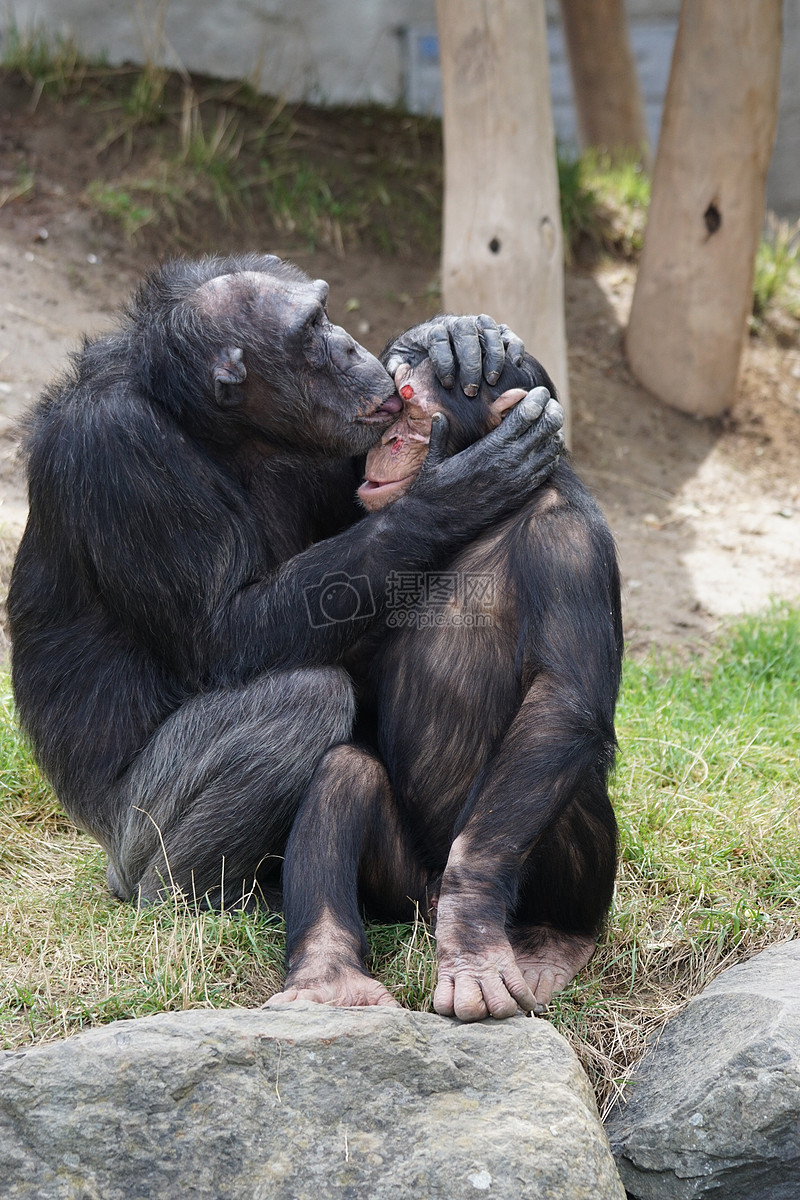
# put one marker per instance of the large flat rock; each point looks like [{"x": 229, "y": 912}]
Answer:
[
  {"x": 303, "y": 1103},
  {"x": 714, "y": 1109}
]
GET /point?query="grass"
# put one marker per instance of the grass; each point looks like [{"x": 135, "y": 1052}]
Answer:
[
  {"x": 706, "y": 791},
  {"x": 186, "y": 162},
  {"x": 604, "y": 204},
  {"x": 776, "y": 281},
  {"x": 50, "y": 62}
]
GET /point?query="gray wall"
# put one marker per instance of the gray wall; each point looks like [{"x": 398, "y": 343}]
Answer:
[{"x": 350, "y": 51}]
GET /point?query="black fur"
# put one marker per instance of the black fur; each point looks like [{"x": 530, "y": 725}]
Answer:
[
  {"x": 191, "y": 483},
  {"x": 501, "y": 734}
]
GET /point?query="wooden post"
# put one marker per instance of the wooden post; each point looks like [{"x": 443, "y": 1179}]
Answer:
[
  {"x": 694, "y": 290},
  {"x": 608, "y": 98},
  {"x": 502, "y": 222}
]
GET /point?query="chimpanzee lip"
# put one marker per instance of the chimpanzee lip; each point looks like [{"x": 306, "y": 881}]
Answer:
[
  {"x": 376, "y": 485},
  {"x": 389, "y": 407}
]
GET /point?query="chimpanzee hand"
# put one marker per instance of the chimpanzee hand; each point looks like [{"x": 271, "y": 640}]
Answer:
[
  {"x": 499, "y": 472},
  {"x": 475, "y": 344}
]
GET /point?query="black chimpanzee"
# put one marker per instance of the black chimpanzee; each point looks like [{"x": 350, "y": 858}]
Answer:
[
  {"x": 477, "y": 777},
  {"x": 177, "y": 608}
]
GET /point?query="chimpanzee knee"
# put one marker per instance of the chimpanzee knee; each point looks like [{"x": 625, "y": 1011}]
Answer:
[{"x": 211, "y": 799}]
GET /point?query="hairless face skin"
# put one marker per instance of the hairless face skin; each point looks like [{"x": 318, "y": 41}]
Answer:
[{"x": 393, "y": 465}]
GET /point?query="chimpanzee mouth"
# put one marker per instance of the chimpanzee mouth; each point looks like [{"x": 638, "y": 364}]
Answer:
[
  {"x": 387, "y": 408},
  {"x": 377, "y": 487}
]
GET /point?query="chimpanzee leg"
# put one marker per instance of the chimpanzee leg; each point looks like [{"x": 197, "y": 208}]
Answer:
[
  {"x": 211, "y": 798},
  {"x": 542, "y": 794},
  {"x": 348, "y": 832},
  {"x": 565, "y": 892}
]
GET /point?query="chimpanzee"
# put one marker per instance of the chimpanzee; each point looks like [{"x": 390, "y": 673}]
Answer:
[
  {"x": 476, "y": 781},
  {"x": 176, "y": 637}
]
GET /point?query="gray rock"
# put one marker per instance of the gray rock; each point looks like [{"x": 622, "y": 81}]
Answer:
[
  {"x": 307, "y": 1102},
  {"x": 714, "y": 1109}
]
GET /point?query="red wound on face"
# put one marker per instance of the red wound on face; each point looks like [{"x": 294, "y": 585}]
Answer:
[
  {"x": 406, "y": 391},
  {"x": 397, "y": 445}
]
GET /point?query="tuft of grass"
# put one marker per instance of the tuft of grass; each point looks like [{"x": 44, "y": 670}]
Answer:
[
  {"x": 121, "y": 205},
  {"x": 706, "y": 794},
  {"x": 20, "y": 189},
  {"x": 604, "y": 204},
  {"x": 210, "y": 157},
  {"x": 301, "y": 203},
  {"x": 51, "y": 63},
  {"x": 145, "y": 102},
  {"x": 169, "y": 188},
  {"x": 776, "y": 279}
]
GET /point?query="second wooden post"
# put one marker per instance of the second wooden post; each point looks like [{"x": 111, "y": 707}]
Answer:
[{"x": 694, "y": 289}]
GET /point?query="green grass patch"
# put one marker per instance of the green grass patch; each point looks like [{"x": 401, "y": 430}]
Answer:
[
  {"x": 706, "y": 790},
  {"x": 776, "y": 279},
  {"x": 604, "y": 204},
  {"x": 51, "y": 63}
]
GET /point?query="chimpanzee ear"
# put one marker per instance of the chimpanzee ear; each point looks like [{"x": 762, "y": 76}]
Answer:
[
  {"x": 504, "y": 403},
  {"x": 228, "y": 372}
]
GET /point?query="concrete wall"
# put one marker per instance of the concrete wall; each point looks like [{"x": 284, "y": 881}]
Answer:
[
  {"x": 783, "y": 180},
  {"x": 324, "y": 51},
  {"x": 352, "y": 51}
]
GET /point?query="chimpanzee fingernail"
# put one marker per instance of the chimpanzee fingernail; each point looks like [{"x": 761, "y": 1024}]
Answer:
[
  {"x": 471, "y": 389},
  {"x": 493, "y": 377}
]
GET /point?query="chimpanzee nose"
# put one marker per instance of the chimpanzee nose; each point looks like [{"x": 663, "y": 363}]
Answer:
[{"x": 344, "y": 352}]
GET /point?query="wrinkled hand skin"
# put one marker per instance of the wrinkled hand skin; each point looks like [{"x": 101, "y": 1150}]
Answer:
[
  {"x": 477, "y": 344},
  {"x": 504, "y": 467}
]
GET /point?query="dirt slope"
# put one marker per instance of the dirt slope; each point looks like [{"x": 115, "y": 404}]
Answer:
[{"x": 706, "y": 514}]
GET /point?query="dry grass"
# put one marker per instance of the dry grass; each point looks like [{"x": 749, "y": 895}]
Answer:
[{"x": 706, "y": 792}]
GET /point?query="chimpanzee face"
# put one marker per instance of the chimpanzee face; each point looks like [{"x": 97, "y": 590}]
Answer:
[
  {"x": 286, "y": 370},
  {"x": 393, "y": 465}
]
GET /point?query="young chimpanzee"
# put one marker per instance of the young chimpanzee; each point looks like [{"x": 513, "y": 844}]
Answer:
[
  {"x": 192, "y": 487},
  {"x": 477, "y": 779}
]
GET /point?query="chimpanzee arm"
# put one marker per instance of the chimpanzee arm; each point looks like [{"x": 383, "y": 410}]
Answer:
[
  {"x": 421, "y": 528},
  {"x": 167, "y": 541},
  {"x": 535, "y": 845}
]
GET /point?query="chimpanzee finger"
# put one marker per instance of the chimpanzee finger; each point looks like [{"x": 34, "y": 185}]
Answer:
[
  {"x": 436, "y": 446},
  {"x": 468, "y": 351},
  {"x": 541, "y": 396},
  {"x": 521, "y": 420},
  {"x": 535, "y": 450},
  {"x": 514, "y": 346},
  {"x": 493, "y": 351},
  {"x": 547, "y": 421},
  {"x": 541, "y": 444},
  {"x": 441, "y": 355}
]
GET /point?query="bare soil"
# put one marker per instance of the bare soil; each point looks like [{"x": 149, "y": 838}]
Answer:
[{"x": 706, "y": 513}]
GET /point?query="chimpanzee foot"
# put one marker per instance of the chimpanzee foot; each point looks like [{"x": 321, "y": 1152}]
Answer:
[
  {"x": 479, "y": 983},
  {"x": 341, "y": 986},
  {"x": 549, "y": 960}
]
